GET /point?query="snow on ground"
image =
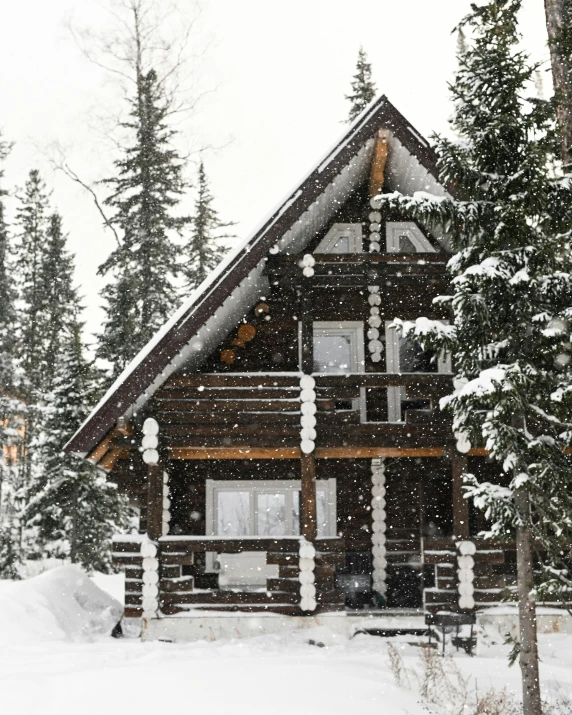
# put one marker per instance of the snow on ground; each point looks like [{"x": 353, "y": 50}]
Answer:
[{"x": 50, "y": 666}]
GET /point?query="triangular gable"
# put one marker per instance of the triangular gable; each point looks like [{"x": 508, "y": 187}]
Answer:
[{"x": 207, "y": 316}]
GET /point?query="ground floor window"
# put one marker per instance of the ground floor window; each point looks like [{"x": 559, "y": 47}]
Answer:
[{"x": 266, "y": 507}]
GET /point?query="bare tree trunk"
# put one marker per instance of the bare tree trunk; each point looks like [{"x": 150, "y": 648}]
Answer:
[
  {"x": 561, "y": 74},
  {"x": 527, "y": 612}
]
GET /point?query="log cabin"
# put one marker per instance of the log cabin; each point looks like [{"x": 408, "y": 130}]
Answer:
[{"x": 281, "y": 443}]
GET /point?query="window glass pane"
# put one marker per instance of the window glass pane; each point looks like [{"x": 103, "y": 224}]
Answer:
[
  {"x": 296, "y": 512},
  {"x": 233, "y": 514},
  {"x": 413, "y": 359},
  {"x": 342, "y": 245},
  {"x": 332, "y": 353},
  {"x": 406, "y": 245},
  {"x": 271, "y": 515},
  {"x": 321, "y": 513}
]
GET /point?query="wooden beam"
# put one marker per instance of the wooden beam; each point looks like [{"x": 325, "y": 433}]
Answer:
[
  {"x": 373, "y": 452},
  {"x": 377, "y": 172},
  {"x": 320, "y": 453},
  {"x": 308, "y": 518},
  {"x": 460, "y": 504},
  {"x": 154, "y": 500},
  {"x": 235, "y": 453},
  {"x": 109, "y": 460},
  {"x": 100, "y": 449},
  {"x": 307, "y": 365}
]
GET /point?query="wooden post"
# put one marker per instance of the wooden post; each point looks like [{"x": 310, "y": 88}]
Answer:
[
  {"x": 377, "y": 172},
  {"x": 307, "y": 365},
  {"x": 308, "y": 518},
  {"x": 154, "y": 500},
  {"x": 460, "y": 504}
]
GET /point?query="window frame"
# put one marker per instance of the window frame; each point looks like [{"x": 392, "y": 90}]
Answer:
[
  {"x": 396, "y": 394},
  {"x": 337, "y": 231},
  {"x": 395, "y": 229},
  {"x": 267, "y": 486}
]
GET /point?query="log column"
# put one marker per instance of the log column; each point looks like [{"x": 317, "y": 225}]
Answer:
[
  {"x": 309, "y": 522},
  {"x": 460, "y": 504},
  {"x": 154, "y": 478}
]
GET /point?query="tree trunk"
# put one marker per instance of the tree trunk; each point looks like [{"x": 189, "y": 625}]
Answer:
[
  {"x": 527, "y": 611},
  {"x": 561, "y": 75}
]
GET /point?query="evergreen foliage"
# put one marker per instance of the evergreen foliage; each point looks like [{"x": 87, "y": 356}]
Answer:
[
  {"x": 559, "y": 25},
  {"x": 11, "y": 407},
  {"x": 74, "y": 511},
  {"x": 363, "y": 87},
  {"x": 510, "y": 225},
  {"x": 32, "y": 225},
  {"x": 141, "y": 293},
  {"x": 511, "y": 274},
  {"x": 202, "y": 250}
]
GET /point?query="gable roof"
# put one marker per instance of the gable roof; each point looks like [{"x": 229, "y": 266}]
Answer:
[{"x": 206, "y": 317}]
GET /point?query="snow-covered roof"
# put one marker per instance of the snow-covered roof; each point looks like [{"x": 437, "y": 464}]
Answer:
[{"x": 213, "y": 309}]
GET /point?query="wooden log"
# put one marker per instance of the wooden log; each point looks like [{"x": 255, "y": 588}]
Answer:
[
  {"x": 235, "y": 453},
  {"x": 178, "y": 422},
  {"x": 460, "y": 504},
  {"x": 155, "y": 501},
  {"x": 307, "y": 365},
  {"x": 213, "y": 379},
  {"x": 236, "y": 405},
  {"x": 308, "y": 518},
  {"x": 377, "y": 171},
  {"x": 180, "y": 585},
  {"x": 229, "y": 597},
  {"x": 286, "y": 610},
  {"x": 109, "y": 460},
  {"x": 229, "y": 393}
]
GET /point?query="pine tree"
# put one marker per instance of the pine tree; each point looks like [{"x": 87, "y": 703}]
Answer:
[
  {"x": 12, "y": 409},
  {"x": 148, "y": 186},
  {"x": 203, "y": 251},
  {"x": 512, "y": 292},
  {"x": 74, "y": 511},
  {"x": 363, "y": 87}
]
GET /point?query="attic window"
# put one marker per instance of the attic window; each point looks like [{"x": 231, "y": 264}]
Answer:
[
  {"x": 342, "y": 238},
  {"x": 406, "y": 237}
]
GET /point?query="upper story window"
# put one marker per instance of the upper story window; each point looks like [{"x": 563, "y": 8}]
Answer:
[
  {"x": 338, "y": 347},
  {"x": 342, "y": 238},
  {"x": 406, "y": 237}
]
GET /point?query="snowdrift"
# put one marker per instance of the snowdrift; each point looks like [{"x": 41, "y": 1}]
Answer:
[{"x": 62, "y": 604}]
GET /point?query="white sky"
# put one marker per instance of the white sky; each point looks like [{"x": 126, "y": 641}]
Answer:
[{"x": 280, "y": 69}]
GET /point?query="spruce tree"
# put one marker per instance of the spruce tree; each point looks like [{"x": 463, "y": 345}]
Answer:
[
  {"x": 203, "y": 251},
  {"x": 12, "y": 409},
  {"x": 60, "y": 297},
  {"x": 32, "y": 225},
  {"x": 141, "y": 293},
  {"x": 363, "y": 87},
  {"x": 74, "y": 512},
  {"x": 510, "y": 225}
]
